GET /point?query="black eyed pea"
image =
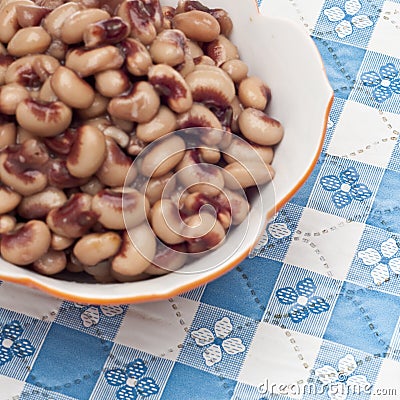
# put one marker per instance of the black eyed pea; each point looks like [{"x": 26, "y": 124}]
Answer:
[
  {"x": 8, "y": 134},
  {"x": 197, "y": 25},
  {"x": 118, "y": 210},
  {"x": 88, "y": 152},
  {"x": 163, "y": 157},
  {"x": 74, "y": 25},
  {"x": 248, "y": 173},
  {"x": 138, "y": 59},
  {"x": 50, "y": 263},
  {"x": 242, "y": 151},
  {"x": 135, "y": 145},
  {"x": 203, "y": 232},
  {"x": 97, "y": 108},
  {"x": 139, "y": 105},
  {"x": 107, "y": 31},
  {"x": 8, "y": 20},
  {"x": 253, "y": 92},
  {"x": 203, "y": 60},
  {"x": 26, "y": 244},
  {"x": 172, "y": 85},
  {"x": 43, "y": 119},
  {"x": 93, "y": 248},
  {"x": 141, "y": 26},
  {"x": 112, "y": 83},
  {"x": 221, "y": 50},
  {"x": 10, "y": 96},
  {"x": 209, "y": 154},
  {"x": 116, "y": 165},
  {"x": 224, "y": 20},
  {"x": 7, "y": 223},
  {"x": 118, "y": 135},
  {"x": 168, "y": 47},
  {"x": 259, "y": 128},
  {"x": 38, "y": 205},
  {"x": 54, "y": 21},
  {"x": 236, "y": 69},
  {"x": 194, "y": 48},
  {"x": 59, "y": 242},
  {"x": 155, "y": 186},
  {"x": 136, "y": 253},
  {"x": 30, "y": 14},
  {"x": 66, "y": 84},
  {"x": 9, "y": 199},
  {"x": 31, "y": 71},
  {"x": 74, "y": 218},
  {"x": 163, "y": 122},
  {"x": 32, "y": 40},
  {"x": 166, "y": 221},
  {"x": 23, "y": 179},
  {"x": 212, "y": 85},
  {"x": 168, "y": 259},
  {"x": 91, "y": 61},
  {"x": 236, "y": 203},
  {"x": 198, "y": 176}
]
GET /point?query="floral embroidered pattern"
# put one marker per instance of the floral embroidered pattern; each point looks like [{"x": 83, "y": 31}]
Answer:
[
  {"x": 347, "y": 18},
  {"x": 132, "y": 382},
  {"x": 11, "y": 343},
  {"x": 301, "y": 300},
  {"x": 91, "y": 314},
  {"x": 342, "y": 381},
  {"x": 382, "y": 261},
  {"x": 214, "y": 345},
  {"x": 345, "y": 187},
  {"x": 277, "y": 230},
  {"x": 385, "y": 83}
]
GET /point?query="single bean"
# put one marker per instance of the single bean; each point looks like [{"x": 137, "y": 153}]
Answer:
[
  {"x": 88, "y": 152},
  {"x": 221, "y": 50},
  {"x": 138, "y": 59},
  {"x": 259, "y": 127},
  {"x": 155, "y": 187},
  {"x": 7, "y": 223},
  {"x": 43, "y": 119},
  {"x": 29, "y": 40},
  {"x": 97, "y": 108},
  {"x": 60, "y": 242},
  {"x": 8, "y": 134},
  {"x": 168, "y": 47},
  {"x": 27, "y": 244},
  {"x": 66, "y": 84},
  {"x": 236, "y": 69},
  {"x": 9, "y": 199},
  {"x": 242, "y": 151},
  {"x": 10, "y": 96},
  {"x": 30, "y": 14},
  {"x": 253, "y": 92},
  {"x": 54, "y": 21},
  {"x": 50, "y": 263},
  {"x": 112, "y": 83},
  {"x": 197, "y": 25},
  {"x": 119, "y": 136},
  {"x": 94, "y": 248}
]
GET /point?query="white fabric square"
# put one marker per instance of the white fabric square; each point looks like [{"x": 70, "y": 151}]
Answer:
[
  {"x": 318, "y": 239},
  {"x": 279, "y": 360},
  {"x": 385, "y": 36},
  {"x": 387, "y": 385},
  {"x": 158, "y": 328},
  {"x": 29, "y": 301},
  {"x": 304, "y": 12},
  {"x": 10, "y": 389},
  {"x": 371, "y": 141}
]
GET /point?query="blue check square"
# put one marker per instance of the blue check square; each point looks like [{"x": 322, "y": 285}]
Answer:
[
  {"x": 193, "y": 386},
  {"x": 364, "y": 319},
  {"x": 69, "y": 362},
  {"x": 254, "y": 278}
]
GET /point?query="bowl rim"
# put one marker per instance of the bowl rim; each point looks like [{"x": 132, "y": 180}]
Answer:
[{"x": 32, "y": 282}]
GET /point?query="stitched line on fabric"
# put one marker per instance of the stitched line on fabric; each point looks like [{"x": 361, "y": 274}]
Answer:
[
  {"x": 387, "y": 17},
  {"x": 111, "y": 357}
]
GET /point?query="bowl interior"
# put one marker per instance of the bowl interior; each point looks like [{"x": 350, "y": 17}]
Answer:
[{"x": 285, "y": 57}]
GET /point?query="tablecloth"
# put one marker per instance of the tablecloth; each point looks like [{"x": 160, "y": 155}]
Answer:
[{"x": 313, "y": 313}]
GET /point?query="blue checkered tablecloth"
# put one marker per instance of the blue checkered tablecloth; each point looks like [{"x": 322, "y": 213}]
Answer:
[{"x": 315, "y": 310}]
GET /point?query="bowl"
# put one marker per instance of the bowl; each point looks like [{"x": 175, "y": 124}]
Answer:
[{"x": 284, "y": 56}]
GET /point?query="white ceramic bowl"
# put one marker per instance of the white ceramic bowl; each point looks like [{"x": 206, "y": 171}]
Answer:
[{"x": 285, "y": 57}]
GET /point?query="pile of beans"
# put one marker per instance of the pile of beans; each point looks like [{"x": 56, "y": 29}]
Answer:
[{"x": 85, "y": 87}]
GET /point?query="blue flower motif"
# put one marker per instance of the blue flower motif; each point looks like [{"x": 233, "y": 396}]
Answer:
[
  {"x": 347, "y": 18},
  {"x": 11, "y": 345},
  {"x": 302, "y": 300},
  {"x": 385, "y": 83},
  {"x": 132, "y": 381},
  {"x": 345, "y": 187}
]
